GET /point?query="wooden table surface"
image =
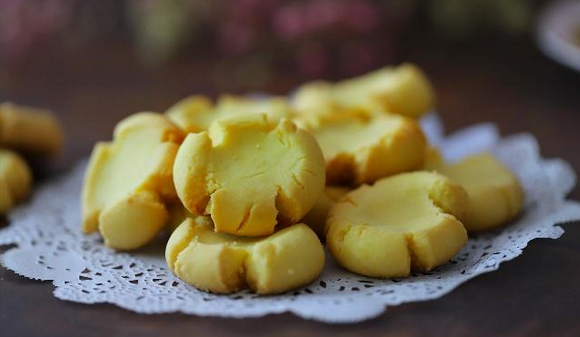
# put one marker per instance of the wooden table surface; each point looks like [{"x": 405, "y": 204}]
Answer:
[{"x": 509, "y": 83}]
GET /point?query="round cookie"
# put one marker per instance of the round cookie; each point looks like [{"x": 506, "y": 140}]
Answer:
[
  {"x": 403, "y": 90},
  {"x": 15, "y": 180},
  {"x": 360, "y": 147},
  {"x": 30, "y": 130},
  {"x": 401, "y": 223},
  {"x": 192, "y": 114},
  {"x": 249, "y": 173},
  {"x": 196, "y": 113},
  {"x": 223, "y": 263},
  {"x": 129, "y": 181},
  {"x": 495, "y": 193}
]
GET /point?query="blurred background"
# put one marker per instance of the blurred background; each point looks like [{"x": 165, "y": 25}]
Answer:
[{"x": 95, "y": 61}]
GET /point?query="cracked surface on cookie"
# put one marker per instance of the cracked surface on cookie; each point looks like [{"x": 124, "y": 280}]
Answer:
[
  {"x": 223, "y": 263},
  {"x": 402, "y": 223},
  {"x": 495, "y": 193},
  {"x": 249, "y": 174},
  {"x": 129, "y": 180},
  {"x": 360, "y": 147}
]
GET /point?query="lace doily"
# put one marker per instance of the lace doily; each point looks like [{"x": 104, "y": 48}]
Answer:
[{"x": 50, "y": 246}]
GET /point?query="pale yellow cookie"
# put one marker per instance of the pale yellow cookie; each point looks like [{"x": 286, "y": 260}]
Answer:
[
  {"x": 316, "y": 218},
  {"x": 192, "y": 114},
  {"x": 495, "y": 193},
  {"x": 129, "y": 181},
  {"x": 15, "y": 180},
  {"x": 403, "y": 90},
  {"x": 401, "y": 223},
  {"x": 31, "y": 130},
  {"x": 360, "y": 147},
  {"x": 223, "y": 263},
  {"x": 249, "y": 173},
  {"x": 196, "y": 113}
]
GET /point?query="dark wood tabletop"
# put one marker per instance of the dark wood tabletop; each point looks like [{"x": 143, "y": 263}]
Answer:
[{"x": 508, "y": 82}]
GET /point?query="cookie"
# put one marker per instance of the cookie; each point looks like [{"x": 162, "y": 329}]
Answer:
[
  {"x": 222, "y": 263},
  {"x": 196, "y": 113},
  {"x": 403, "y": 90},
  {"x": 129, "y": 181},
  {"x": 248, "y": 173},
  {"x": 15, "y": 180},
  {"x": 192, "y": 114},
  {"x": 360, "y": 147},
  {"x": 406, "y": 222},
  {"x": 495, "y": 193},
  {"x": 316, "y": 218},
  {"x": 30, "y": 130}
]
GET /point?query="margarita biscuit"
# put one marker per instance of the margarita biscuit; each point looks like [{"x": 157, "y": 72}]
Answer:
[
  {"x": 360, "y": 147},
  {"x": 403, "y": 90},
  {"x": 401, "y": 223},
  {"x": 196, "y": 113},
  {"x": 129, "y": 181},
  {"x": 316, "y": 218},
  {"x": 248, "y": 173},
  {"x": 495, "y": 193},
  {"x": 28, "y": 129},
  {"x": 15, "y": 180},
  {"x": 223, "y": 263}
]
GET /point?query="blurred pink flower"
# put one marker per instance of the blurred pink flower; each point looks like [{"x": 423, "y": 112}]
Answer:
[
  {"x": 288, "y": 22},
  {"x": 23, "y": 24},
  {"x": 312, "y": 60}
]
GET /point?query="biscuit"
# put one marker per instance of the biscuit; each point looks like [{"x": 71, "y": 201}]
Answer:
[
  {"x": 192, "y": 114},
  {"x": 401, "y": 223},
  {"x": 223, "y": 263},
  {"x": 316, "y": 218},
  {"x": 31, "y": 130},
  {"x": 196, "y": 113},
  {"x": 15, "y": 180},
  {"x": 129, "y": 181},
  {"x": 495, "y": 193},
  {"x": 360, "y": 147},
  {"x": 403, "y": 90},
  {"x": 248, "y": 173}
]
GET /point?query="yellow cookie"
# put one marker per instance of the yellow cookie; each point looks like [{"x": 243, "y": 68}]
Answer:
[
  {"x": 192, "y": 114},
  {"x": 128, "y": 181},
  {"x": 248, "y": 174},
  {"x": 495, "y": 193},
  {"x": 15, "y": 180},
  {"x": 196, "y": 113},
  {"x": 28, "y": 129},
  {"x": 359, "y": 147},
  {"x": 403, "y": 90},
  {"x": 408, "y": 221},
  {"x": 223, "y": 263},
  {"x": 316, "y": 218}
]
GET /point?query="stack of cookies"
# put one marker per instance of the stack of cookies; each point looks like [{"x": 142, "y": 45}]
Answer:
[
  {"x": 249, "y": 189},
  {"x": 28, "y": 131}
]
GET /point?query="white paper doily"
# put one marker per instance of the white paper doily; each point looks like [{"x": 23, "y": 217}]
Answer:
[{"x": 50, "y": 246}]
